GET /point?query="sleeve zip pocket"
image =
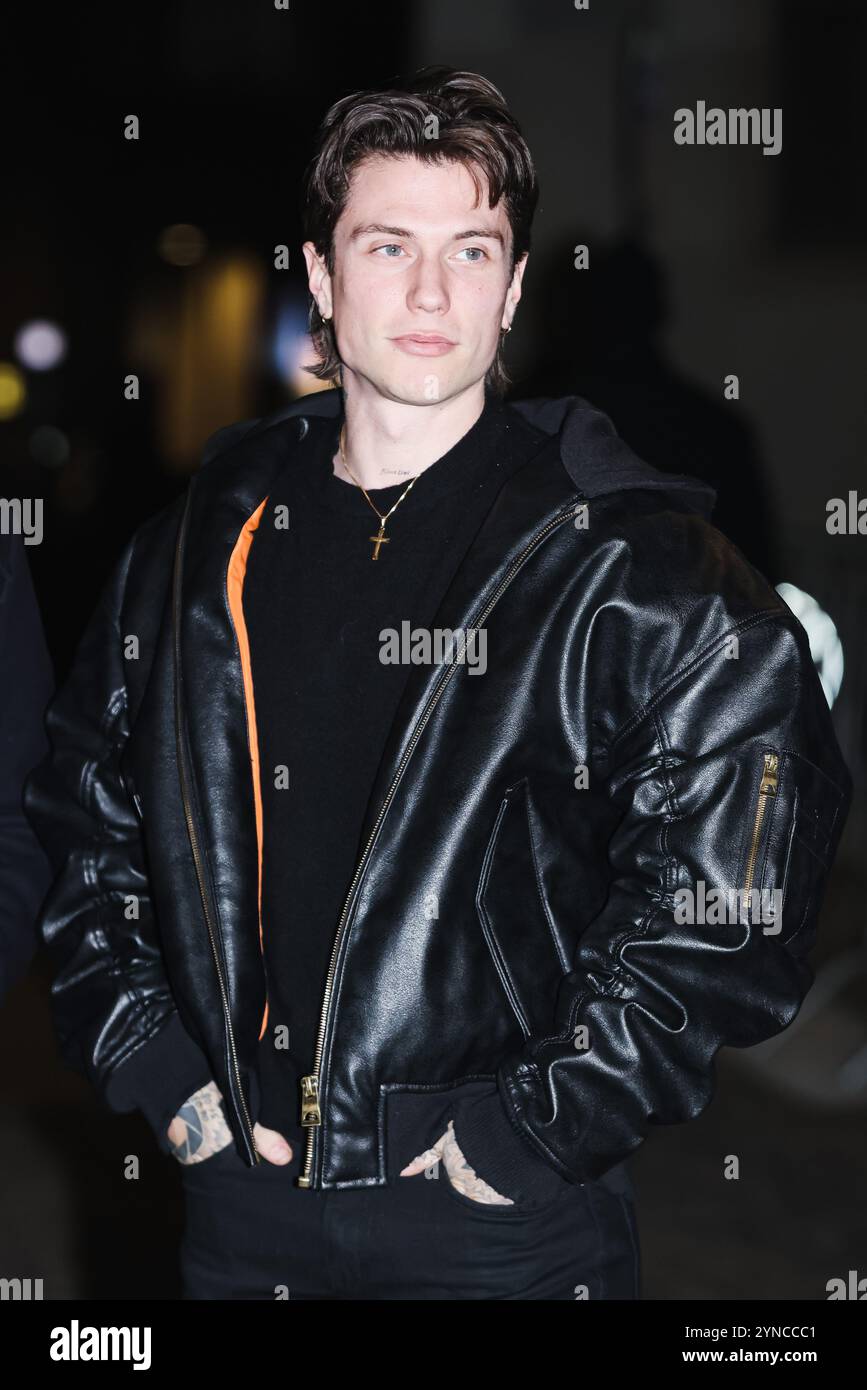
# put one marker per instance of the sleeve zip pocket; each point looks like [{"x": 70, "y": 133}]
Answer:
[{"x": 767, "y": 790}]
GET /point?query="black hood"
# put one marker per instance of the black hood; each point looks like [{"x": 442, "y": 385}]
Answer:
[{"x": 597, "y": 460}]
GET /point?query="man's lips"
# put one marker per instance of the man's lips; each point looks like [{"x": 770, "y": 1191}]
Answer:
[{"x": 424, "y": 344}]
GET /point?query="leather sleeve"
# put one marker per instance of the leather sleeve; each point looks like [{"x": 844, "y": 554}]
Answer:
[
  {"x": 650, "y": 997},
  {"x": 26, "y": 685},
  {"x": 112, "y": 1007}
]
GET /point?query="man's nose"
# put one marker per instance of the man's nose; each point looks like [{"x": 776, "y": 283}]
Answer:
[{"x": 428, "y": 291}]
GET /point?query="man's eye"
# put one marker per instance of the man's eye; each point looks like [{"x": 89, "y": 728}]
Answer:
[
  {"x": 391, "y": 246},
  {"x": 476, "y": 251}
]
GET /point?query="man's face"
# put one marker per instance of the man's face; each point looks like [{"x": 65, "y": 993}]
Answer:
[{"x": 414, "y": 255}]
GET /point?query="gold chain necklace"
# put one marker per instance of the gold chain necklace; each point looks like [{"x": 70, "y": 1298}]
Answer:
[{"x": 381, "y": 538}]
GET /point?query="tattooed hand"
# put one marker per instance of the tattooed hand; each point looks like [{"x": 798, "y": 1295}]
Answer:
[
  {"x": 200, "y": 1130},
  {"x": 458, "y": 1171}
]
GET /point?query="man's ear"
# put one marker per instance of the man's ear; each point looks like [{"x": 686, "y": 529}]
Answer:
[
  {"x": 513, "y": 294},
  {"x": 318, "y": 279}
]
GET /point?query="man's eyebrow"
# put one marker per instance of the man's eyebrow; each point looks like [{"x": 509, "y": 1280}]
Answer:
[
  {"x": 492, "y": 233},
  {"x": 378, "y": 227}
]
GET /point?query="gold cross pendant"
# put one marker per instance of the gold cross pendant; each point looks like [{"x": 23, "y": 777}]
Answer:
[{"x": 379, "y": 540}]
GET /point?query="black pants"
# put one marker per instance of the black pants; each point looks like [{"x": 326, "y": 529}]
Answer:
[{"x": 250, "y": 1233}]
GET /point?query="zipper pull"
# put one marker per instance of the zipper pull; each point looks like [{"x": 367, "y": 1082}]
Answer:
[
  {"x": 769, "y": 776},
  {"x": 310, "y": 1100}
]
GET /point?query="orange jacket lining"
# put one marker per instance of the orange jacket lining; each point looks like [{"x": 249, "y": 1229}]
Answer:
[{"x": 234, "y": 586}]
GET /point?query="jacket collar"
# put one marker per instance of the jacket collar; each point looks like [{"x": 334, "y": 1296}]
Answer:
[{"x": 597, "y": 460}]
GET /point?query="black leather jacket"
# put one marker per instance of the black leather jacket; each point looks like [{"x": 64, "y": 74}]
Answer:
[{"x": 511, "y": 917}]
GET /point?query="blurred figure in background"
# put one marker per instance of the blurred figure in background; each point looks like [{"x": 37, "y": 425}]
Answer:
[{"x": 601, "y": 337}]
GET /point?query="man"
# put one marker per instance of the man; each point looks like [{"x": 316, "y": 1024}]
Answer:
[
  {"x": 384, "y": 758},
  {"x": 26, "y": 684}
]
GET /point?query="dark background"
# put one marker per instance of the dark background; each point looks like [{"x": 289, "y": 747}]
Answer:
[{"x": 705, "y": 261}]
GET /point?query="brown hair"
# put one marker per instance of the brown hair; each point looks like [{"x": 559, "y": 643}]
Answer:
[{"x": 474, "y": 128}]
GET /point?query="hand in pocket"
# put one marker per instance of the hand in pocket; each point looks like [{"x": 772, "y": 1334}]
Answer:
[
  {"x": 200, "y": 1130},
  {"x": 458, "y": 1172}
]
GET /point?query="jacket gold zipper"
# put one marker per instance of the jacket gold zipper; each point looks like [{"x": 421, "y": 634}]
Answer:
[
  {"x": 767, "y": 788},
  {"x": 194, "y": 842},
  {"x": 311, "y": 1114}
]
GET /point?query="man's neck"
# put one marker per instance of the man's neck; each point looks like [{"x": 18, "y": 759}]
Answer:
[{"x": 389, "y": 442}]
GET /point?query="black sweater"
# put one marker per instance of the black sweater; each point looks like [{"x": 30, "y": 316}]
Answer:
[{"x": 314, "y": 605}]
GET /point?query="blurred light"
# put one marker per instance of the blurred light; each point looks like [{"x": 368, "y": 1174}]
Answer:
[
  {"x": 40, "y": 345},
  {"x": 290, "y": 339},
  {"x": 182, "y": 244},
  {"x": 13, "y": 391},
  {"x": 48, "y": 446},
  {"x": 210, "y": 339},
  {"x": 826, "y": 649},
  {"x": 292, "y": 348}
]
